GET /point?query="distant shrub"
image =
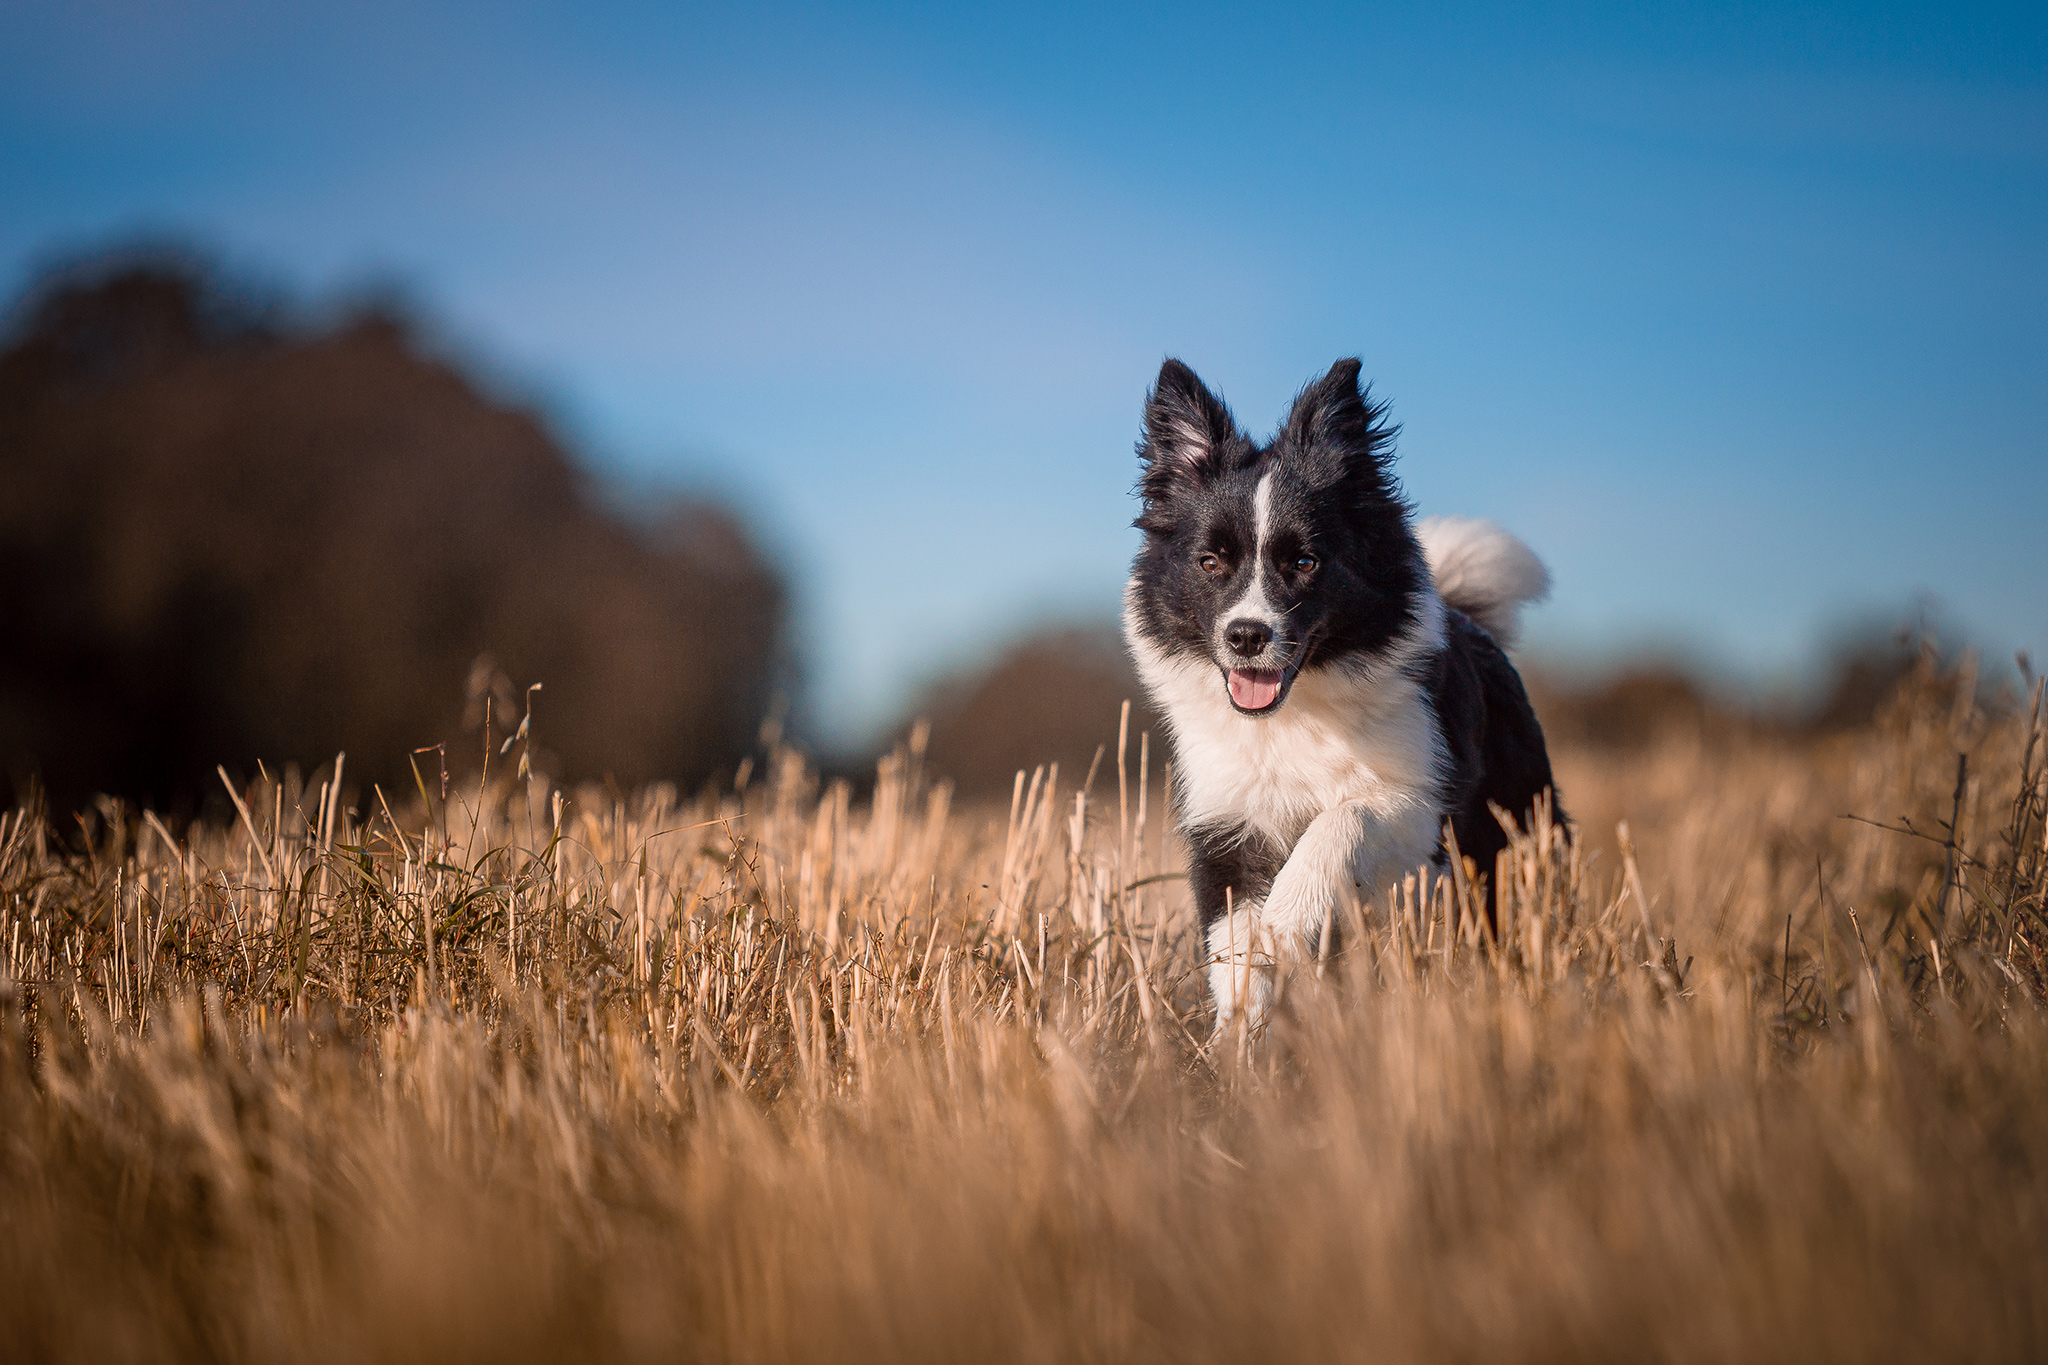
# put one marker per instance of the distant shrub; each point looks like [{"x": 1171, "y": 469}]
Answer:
[{"x": 1053, "y": 697}]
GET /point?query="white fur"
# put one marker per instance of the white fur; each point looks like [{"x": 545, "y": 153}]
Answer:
[
  {"x": 1188, "y": 439},
  {"x": 1484, "y": 572},
  {"x": 1346, "y": 777},
  {"x": 1241, "y": 966}
]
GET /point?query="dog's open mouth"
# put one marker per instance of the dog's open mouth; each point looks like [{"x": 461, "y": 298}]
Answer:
[{"x": 1256, "y": 689}]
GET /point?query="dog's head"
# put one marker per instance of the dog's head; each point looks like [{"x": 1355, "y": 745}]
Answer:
[{"x": 1276, "y": 559}]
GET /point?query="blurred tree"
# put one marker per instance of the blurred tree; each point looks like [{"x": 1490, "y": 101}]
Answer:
[
  {"x": 1864, "y": 672},
  {"x": 225, "y": 538}
]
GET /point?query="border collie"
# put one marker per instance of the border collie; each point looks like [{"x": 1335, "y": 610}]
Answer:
[{"x": 1333, "y": 676}]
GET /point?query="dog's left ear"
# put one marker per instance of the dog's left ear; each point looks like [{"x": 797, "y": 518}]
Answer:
[
  {"x": 1337, "y": 431},
  {"x": 1189, "y": 437},
  {"x": 1187, "y": 428}
]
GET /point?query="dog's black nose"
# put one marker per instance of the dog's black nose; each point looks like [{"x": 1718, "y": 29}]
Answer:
[{"x": 1248, "y": 638}]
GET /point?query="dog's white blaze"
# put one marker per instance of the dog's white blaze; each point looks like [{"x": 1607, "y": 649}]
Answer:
[
  {"x": 1254, "y": 603},
  {"x": 1346, "y": 777}
]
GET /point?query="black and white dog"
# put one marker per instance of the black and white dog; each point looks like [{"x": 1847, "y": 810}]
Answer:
[{"x": 1333, "y": 676}]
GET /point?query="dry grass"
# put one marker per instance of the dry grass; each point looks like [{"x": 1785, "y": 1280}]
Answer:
[{"x": 519, "y": 1074}]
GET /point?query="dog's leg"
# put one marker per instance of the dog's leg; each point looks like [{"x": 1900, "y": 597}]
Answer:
[
  {"x": 1240, "y": 967},
  {"x": 1352, "y": 847},
  {"x": 1229, "y": 871}
]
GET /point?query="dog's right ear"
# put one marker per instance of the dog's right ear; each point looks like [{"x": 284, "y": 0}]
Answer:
[{"x": 1187, "y": 430}]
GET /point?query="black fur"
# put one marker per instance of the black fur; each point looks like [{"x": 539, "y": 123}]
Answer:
[
  {"x": 1225, "y": 862},
  {"x": 1498, "y": 758}
]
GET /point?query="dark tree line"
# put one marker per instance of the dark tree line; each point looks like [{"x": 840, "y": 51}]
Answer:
[{"x": 230, "y": 535}]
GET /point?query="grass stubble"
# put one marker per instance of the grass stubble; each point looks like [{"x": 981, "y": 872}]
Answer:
[{"x": 504, "y": 1072}]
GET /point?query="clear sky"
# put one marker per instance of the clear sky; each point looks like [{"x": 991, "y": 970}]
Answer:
[{"x": 1739, "y": 314}]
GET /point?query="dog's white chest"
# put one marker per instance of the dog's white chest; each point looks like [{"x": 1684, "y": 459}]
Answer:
[{"x": 1341, "y": 736}]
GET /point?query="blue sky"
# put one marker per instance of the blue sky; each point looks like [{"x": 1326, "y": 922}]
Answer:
[{"x": 1739, "y": 315}]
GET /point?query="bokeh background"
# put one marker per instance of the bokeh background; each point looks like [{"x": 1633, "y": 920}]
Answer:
[{"x": 720, "y": 366}]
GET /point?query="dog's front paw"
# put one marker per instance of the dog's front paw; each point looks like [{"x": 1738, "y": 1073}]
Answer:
[{"x": 1295, "y": 913}]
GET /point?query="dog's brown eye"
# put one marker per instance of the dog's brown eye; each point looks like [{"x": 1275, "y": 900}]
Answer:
[
  {"x": 1210, "y": 564},
  {"x": 1305, "y": 564}
]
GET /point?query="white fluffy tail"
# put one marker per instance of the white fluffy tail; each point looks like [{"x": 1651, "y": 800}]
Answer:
[{"x": 1484, "y": 572}]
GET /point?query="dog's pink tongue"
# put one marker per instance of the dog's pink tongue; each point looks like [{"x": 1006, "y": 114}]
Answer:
[{"x": 1254, "y": 688}]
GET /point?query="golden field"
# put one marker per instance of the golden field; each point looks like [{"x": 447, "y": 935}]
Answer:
[{"x": 489, "y": 1070}]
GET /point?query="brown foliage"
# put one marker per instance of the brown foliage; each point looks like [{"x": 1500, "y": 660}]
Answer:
[
  {"x": 226, "y": 539},
  {"x": 1054, "y": 697},
  {"x": 1629, "y": 708},
  {"x": 1653, "y": 699}
]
